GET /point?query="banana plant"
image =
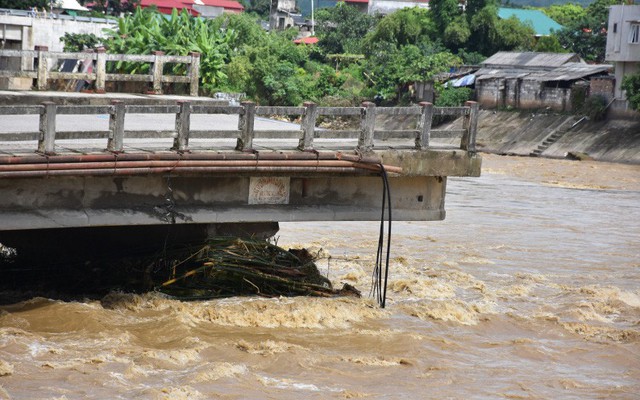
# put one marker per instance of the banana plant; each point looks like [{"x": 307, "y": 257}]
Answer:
[{"x": 146, "y": 31}]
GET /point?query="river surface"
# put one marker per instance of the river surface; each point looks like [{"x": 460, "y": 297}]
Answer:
[{"x": 530, "y": 289}]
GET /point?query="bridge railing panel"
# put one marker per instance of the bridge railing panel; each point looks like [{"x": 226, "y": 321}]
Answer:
[
  {"x": 364, "y": 139},
  {"x": 95, "y": 68}
]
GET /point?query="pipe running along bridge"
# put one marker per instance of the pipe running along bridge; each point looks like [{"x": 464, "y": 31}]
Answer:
[{"x": 129, "y": 187}]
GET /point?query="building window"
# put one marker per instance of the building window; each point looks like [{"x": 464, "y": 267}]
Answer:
[
  {"x": 615, "y": 27},
  {"x": 634, "y": 33}
]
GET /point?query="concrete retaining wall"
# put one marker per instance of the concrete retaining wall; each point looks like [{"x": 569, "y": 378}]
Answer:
[{"x": 616, "y": 140}]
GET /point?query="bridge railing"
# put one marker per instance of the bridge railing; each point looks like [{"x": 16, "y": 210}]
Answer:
[
  {"x": 98, "y": 71},
  {"x": 245, "y": 133}
]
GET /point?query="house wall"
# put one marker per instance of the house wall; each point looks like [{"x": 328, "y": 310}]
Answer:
[
  {"x": 619, "y": 48},
  {"x": 25, "y": 32},
  {"x": 602, "y": 86},
  {"x": 488, "y": 93},
  {"x": 522, "y": 94},
  {"x": 625, "y": 55},
  {"x": 209, "y": 11},
  {"x": 47, "y": 31}
]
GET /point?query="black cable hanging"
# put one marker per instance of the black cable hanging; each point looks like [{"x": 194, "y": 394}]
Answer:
[{"x": 380, "y": 276}]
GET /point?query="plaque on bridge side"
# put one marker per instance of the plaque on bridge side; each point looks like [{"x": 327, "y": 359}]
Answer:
[{"x": 269, "y": 190}]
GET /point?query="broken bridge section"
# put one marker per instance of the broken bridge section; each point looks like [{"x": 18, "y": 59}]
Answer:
[{"x": 55, "y": 180}]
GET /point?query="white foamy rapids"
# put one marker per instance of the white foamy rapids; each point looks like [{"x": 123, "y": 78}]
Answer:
[
  {"x": 457, "y": 311},
  {"x": 297, "y": 312},
  {"x": 219, "y": 370}
]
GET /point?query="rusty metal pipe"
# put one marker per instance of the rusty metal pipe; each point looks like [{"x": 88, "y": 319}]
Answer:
[
  {"x": 51, "y": 159},
  {"x": 113, "y": 165},
  {"x": 188, "y": 170}
]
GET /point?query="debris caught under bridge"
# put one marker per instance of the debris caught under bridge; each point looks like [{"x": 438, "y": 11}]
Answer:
[{"x": 229, "y": 266}]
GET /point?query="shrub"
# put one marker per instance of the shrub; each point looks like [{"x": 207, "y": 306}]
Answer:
[
  {"x": 631, "y": 84},
  {"x": 595, "y": 107},
  {"x": 453, "y": 97}
]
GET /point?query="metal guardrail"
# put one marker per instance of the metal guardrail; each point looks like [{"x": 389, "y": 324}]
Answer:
[
  {"x": 98, "y": 74},
  {"x": 247, "y": 112}
]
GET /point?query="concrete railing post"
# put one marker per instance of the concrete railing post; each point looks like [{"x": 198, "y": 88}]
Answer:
[
  {"x": 101, "y": 69},
  {"x": 47, "y": 136},
  {"x": 183, "y": 125},
  {"x": 245, "y": 126},
  {"x": 367, "y": 127},
  {"x": 424, "y": 126},
  {"x": 158, "y": 66},
  {"x": 308, "y": 126},
  {"x": 194, "y": 74},
  {"x": 115, "y": 142},
  {"x": 43, "y": 67},
  {"x": 470, "y": 125}
]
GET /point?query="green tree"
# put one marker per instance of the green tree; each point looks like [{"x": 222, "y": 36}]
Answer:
[
  {"x": 391, "y": 70},
  {"x": 444, "y": 12},
  {"x": 457, "y": 33},
  {"x": 631, "y": 85},
  {"x": 24, "y": 4},
  {"x": 452, "y": 97},
  {"x": 246, "y": 27},
  {"x": 76, "y": 42},
  {"x": 484, "y": 32},
  {"x": 587, "y": 36},
  {"x": 342, "y": 28},
  {"x": 514, "y": 35},
  {"x": 549, "y": 44},
  {"x": 405, "y": 26},
  {"x": 474, "y": 6},
  {"x": 565, "y": 14},
  {"x": 259, "y": 7}
]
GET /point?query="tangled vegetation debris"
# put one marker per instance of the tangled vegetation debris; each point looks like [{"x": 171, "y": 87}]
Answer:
[{"x": 229, "y": 266}]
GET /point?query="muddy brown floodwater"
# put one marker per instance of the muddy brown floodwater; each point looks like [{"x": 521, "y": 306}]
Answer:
[{"x": 530, "y": 289}]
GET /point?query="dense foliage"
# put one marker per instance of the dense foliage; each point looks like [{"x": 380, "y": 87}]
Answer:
[
  {"x": 631, "y": 84},
  {"x": 75, "y": 42},
  {"x": 146, "y": 31},
  {"x": 586, "y": 33},
  {"x": 358, "y": 56},
  {"x": 24, "y": 4}
]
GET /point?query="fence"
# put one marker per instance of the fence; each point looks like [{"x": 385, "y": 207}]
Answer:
[
  {"x": 98, "y": 74},
  {"x": 245, "y": 134}
]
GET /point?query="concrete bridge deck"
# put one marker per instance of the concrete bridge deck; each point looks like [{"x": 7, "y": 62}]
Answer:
[{"x": 186, "y": 164}]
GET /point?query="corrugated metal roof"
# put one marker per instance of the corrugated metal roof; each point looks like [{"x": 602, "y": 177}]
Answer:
[
  {"x": 568, "y": 72},
  {"x": 488, "y": 73},
  {"x": 541, "y": 24},
  {"x": 529, "y": 59}
]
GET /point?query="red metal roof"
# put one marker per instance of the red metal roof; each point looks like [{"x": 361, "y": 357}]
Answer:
[
  {"x": 306, "y": 40},
  {"x": 166, "y": 6},
  {"x": 226, "y": 4}
]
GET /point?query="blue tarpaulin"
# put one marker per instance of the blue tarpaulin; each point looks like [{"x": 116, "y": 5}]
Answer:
[{"x": 466, "y": 80}]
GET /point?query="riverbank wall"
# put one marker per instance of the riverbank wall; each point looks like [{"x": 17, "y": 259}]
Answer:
[{"x": 556, "y": 135}]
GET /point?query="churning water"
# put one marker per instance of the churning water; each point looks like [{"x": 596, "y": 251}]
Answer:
[{"x": 530, "y": 289}]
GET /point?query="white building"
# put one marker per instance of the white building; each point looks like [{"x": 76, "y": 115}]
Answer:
[
  {"x": 388, "y": 6},
  {"x": 623, "y": 43}
]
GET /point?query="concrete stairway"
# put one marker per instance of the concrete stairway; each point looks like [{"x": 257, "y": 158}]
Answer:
[{"x": 558, "y": 133}]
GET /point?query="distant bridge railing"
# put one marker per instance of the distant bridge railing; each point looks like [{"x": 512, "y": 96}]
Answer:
[
  {"x": 98, "y": 72},
  {"x": 366, "y": 135}
]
